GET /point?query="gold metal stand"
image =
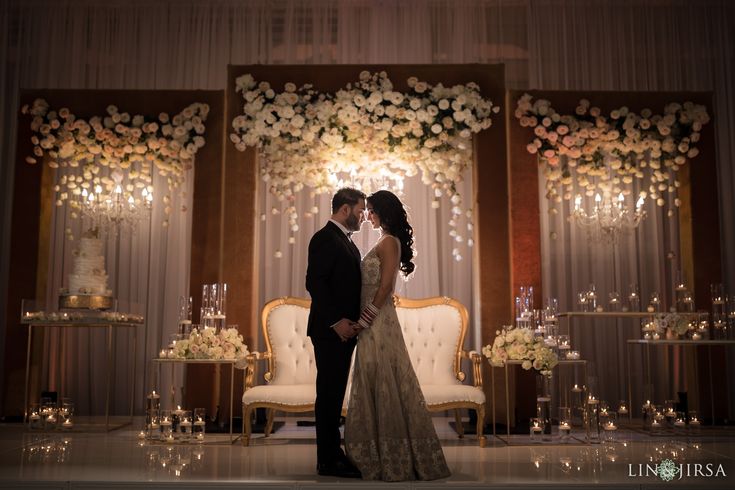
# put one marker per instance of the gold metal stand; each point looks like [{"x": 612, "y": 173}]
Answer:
[
  {"x": 218, "y": 365},
  {"x": 84, "y": 323},
  {"x": 562, "y": 362}
]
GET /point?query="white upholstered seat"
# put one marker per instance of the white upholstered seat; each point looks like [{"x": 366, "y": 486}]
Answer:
[{"x": 434, "y": 331}]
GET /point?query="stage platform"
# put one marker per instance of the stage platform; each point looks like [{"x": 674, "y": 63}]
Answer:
[{"x": 287, "y": 460}]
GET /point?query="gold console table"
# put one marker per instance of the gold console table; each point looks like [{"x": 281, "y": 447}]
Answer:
[{"x": 63, "y": 320}]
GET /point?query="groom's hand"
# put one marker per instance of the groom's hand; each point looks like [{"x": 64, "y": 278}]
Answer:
[{"x": 344, "y": 328}]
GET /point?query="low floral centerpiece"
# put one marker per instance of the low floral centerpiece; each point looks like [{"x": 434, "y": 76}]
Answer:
[
  {"x": 210, "y": 344},
  {"x": 520, "y": 344},
  {"x": 673, "y": 325}
]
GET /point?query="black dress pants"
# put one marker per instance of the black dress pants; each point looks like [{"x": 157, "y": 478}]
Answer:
[{"x": 333, "y": 358}]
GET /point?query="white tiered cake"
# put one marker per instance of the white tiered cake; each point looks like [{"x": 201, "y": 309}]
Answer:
[{"x": 88, "y": 279}]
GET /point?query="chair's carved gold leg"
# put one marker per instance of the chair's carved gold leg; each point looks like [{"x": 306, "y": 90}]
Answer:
[
  {"x": 269, "y": 423},
  {"x": 458, "y": 421},
  {"x": 246, "y": 427},
  {"x": 480, "y": 425}
]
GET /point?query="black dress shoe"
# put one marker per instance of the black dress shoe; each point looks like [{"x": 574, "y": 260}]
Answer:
[{"x": 339, "y": 469}]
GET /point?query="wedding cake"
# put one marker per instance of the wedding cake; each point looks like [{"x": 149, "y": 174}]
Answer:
[{"x": 88, "y": 278}]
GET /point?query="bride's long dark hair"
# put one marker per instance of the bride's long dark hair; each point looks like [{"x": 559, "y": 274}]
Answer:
[{"x": 394, "y": 220}]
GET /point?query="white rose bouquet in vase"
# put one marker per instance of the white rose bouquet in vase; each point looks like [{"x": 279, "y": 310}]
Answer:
[
  {"x": 519, "y": 344},
  {"x": 209, "y": 344}
]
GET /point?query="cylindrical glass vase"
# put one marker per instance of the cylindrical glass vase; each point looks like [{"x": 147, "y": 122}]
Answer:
[{"x": 543, "y": 404}]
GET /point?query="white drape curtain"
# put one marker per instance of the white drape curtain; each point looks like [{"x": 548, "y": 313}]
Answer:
[
  {"x": 550, "y": 44},
  {"x": 638, "y": 46},
  {"x": 436, "y": 274}
]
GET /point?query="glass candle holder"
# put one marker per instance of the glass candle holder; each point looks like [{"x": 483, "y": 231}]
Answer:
[
  {"x": 592, "y": 298},
  {"x": 153, "y": 402},
  {"x": 199, "y": 424},
  {"x": 654, "y": 302},
  {"x": 536, "y": 429},
  {"x": 167, "y": 426},
  {"x": 613, "y": 302},
  {"x": 582, "y": 301},
  {"x": 647, "y": 412},
  {"x": 610, "y": 426},
  {"x": 634, "y": 298},
  {"x": 66, "y": 415},
  {"x": 185, "y": 303},
  {"x": 49, "y": 414},
  {"x": 593, "y": 419},
  {"x": 185, "y": 426},
  {"x": 543, "y": 404},
  {"x": 565, "y": 423},
  {"x": 622, "y": 407},
  {"x": 152, "y": 425},
  {"x": 564, "y": 343},
  {"x": 680, "y": 424},
  {"x": 670, "y": 413},
  {"x": 35, "y": 422},
  {"x": 658, "y": 423},
  {"x": 695, "y": 425}
]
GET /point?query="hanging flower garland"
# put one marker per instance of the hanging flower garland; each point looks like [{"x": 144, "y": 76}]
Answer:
[
  {"x": 131, "y": 147},
  {"x": 607, "y": 153},
  {"x": 367, "y": 135}
]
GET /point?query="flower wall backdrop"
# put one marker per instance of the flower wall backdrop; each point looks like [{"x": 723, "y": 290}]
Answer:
[
  {"x": 115, "y": 155},
  {"x": 366, "y": 135},
  {"x": 605, "y": 153}
]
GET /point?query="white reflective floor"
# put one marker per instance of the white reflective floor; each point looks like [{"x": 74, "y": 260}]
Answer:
[{"x": 287, "y": 459}]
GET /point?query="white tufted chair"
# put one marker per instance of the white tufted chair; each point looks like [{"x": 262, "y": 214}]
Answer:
[
  {"x": 291, "y": 374},
  {"x": 434, "y": 331}
]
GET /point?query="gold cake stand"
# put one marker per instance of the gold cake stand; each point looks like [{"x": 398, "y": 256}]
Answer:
[{"x": 85, "y": 301}]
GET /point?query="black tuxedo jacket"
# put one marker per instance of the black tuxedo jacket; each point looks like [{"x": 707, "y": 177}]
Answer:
[{"x": 333, "y": 281}]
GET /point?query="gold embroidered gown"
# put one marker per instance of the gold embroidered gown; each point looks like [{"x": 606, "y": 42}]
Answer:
[{"x": 389, "y": 434}]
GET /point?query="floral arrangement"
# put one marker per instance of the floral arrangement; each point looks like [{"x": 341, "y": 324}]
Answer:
[
  {"x": 131, "y": 147},
  {"x": 520, "y": 344},
  {"x": 367, "y": 133},
  {"x": 206, "y": 343},
  {"x": 677, "y": 324},
  {"x": 606, "y": 153}
]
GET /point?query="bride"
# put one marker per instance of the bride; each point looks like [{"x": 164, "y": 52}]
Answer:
[{"x": 389, "y": 434}]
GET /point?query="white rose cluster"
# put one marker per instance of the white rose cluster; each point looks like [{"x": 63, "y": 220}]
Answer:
[
  {"x": 606, "y": 153},
  {"x": 519, "y": 344},
  {"x": 131, "y": 147},
  {"x": 207, "y": 343},
  {"x": 367, "y": 132}
]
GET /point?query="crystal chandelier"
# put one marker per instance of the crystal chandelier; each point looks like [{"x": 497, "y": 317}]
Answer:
[
  {"x": 609, "y": 218},
  {"x": 121, "y": 207}
]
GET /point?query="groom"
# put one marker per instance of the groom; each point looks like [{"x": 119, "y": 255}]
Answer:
[{"x": 333, "y": 280}]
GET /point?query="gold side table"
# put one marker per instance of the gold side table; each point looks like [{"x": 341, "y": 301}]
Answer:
[
  {"x": 562, "y": 362},
  {"x": 64, "y": 321},
  {"x": 647, "y": 344},
  {"x": 218, "y": 364}
]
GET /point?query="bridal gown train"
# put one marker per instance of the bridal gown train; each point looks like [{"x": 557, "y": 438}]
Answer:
[{"x": 389, "y": 434}]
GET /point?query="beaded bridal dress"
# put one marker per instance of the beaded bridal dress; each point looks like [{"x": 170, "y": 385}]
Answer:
[{"x": 389, "y": 434}]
